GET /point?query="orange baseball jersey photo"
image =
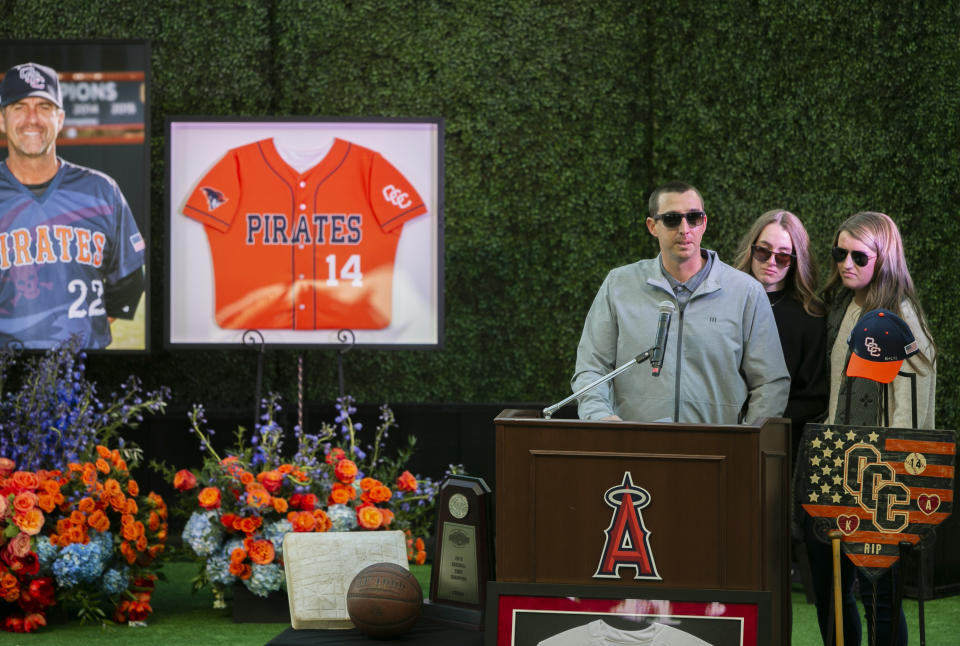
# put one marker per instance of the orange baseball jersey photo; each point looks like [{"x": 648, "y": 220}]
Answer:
[{"x": 310, "y": 250}]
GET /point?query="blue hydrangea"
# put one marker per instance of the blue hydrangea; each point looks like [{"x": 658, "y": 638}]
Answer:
[
  {"x": 342, "y": 518},
  {"x": 46, "y": 553},
  {"x": 274, "y": 532},
  {"x": 115, "y": 581},
  {"x": 218, "y": 569},
  {"x": 203, "y": 533},
  {"x": 265, "y": 579},
  {"x": 78, "y": 563},
  {"x": 105, "y": 541}
]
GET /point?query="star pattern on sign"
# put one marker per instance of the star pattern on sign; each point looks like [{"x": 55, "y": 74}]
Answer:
[{"x": 826, "y": 454}]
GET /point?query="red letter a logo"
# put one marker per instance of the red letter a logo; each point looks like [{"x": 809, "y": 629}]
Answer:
[{"x": 628, "y": 541}]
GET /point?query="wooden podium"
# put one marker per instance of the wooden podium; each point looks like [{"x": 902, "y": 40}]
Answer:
[{"x": 718, "y": 515}]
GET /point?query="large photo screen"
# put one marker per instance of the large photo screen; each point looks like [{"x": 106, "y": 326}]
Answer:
[
  {"x": 304, "y": 231},
  {"x": 74, "y": 198}
]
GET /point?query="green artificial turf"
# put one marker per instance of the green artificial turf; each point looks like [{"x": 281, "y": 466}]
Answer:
[{"x": 183, "y": 618}]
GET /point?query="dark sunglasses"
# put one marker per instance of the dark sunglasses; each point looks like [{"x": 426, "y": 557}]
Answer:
[
  {"x": 672, "y": 219},
  {"x": 762, "y": 254},
  {"x": 859, "y": 258}
]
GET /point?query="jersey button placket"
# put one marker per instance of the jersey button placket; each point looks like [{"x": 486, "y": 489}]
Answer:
[{"x": 303, "y": 255}]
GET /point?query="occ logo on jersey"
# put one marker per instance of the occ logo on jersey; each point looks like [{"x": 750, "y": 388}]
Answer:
[{"x": 395, "y": 196}]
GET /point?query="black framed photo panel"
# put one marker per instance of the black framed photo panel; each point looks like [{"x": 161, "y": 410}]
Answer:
[{"x": 74, "y": 247}]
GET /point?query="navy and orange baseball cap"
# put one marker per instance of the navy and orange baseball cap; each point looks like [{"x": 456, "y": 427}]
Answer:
[
  {"x": 30, "y": 79},
  {"x": 880, "y": 342}
]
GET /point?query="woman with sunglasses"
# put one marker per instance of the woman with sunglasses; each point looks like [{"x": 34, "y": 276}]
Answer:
[
  {"x": 869, "y": 272},
  {"x": 776, "y": 251}
]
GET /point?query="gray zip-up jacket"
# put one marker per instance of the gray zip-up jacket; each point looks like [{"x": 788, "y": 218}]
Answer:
[{"x": 723, "y": 350}]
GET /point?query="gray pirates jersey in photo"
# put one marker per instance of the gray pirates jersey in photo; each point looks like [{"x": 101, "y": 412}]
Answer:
[{"x": 58, "y": 252}]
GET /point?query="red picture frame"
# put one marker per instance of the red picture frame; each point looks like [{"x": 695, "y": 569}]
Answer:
[{"x": 527, "y": 614}]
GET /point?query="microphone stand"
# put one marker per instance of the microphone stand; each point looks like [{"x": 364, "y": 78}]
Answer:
[{"x": 640, "y": 358}]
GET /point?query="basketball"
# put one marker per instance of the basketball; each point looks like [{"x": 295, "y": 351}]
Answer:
[{"x": 384, "y": 600}]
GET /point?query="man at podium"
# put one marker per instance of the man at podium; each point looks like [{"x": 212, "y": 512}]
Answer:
[{"x": 720, "y": 360}]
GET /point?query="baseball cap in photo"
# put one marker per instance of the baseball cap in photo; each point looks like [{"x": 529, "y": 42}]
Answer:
[
  {"x": 880, "y": 341},
  {"x": 30, "y": 79}
]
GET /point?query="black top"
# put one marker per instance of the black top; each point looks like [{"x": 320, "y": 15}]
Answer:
[{"x": 803, "y": 338}]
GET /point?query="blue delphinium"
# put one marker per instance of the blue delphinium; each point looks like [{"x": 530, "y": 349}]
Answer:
[
  {"x": 55, "y": 417},
  {"x": 265, "y": 579},
  {"x": 78, "y": 563}
]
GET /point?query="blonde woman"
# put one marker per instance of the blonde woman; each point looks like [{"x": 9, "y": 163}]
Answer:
[{"x": 870, "y": 272}]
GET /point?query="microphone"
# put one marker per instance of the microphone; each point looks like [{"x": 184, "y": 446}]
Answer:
[{"x": 663, "y": 329}]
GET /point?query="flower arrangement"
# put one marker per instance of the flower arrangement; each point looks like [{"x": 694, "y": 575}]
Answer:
[
  {"x": 79, "y": 535},
  {"x": 242, "y": 503},
  {"x": 74, "y": 526}
]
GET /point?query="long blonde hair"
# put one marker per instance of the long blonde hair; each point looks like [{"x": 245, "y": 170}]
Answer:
[
  {"x": 891, "y": 283},
  {"x": 801, "y": 279}
]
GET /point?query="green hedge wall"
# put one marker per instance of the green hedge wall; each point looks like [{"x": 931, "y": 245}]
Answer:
[{"x": 560, "y": 117}]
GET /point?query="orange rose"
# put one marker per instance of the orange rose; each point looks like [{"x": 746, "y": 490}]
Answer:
[
  {"x": 154, "y": 521},
  {"x": 257, "y": 496},
  {"x": 133, "y": 489},
  {"x": 103, "y": 451},
  {"x": 246, "y": 477},
  {"x": 345, "y": 471},
  {"x": 272, "y": 480},
  {"x": 238, "y": 555},
  {"x": 103, "y": 466},
  {"x": 379, "y": 493},
  {"x": 302, "y": 521},
  {"x": 25, "y": 480},
  {"x": 131, "y": 507},
  {"x": 128, "y": 552},
  {"x": 279, "y": 505},
  {"x": 262, "y": 552},
  {"x": 118, "y": 502},
  {"x": 248, "y": 525},
  {"x": 406, "y": 482},
  {"x": 387, "y": 517},
  {"x": 339, "y": 496},
  {"x": 46, "y": 502},
  {"x": 142, "y": 543},
  {"x": 76, "y": 534},
  {"x": 421, "y": 558},
  {"x": 368, "y": 483},
  {"x": 285, "y": 468},
  {"x": 335, "y": 455},
  {"x": 86, "y": 505},
  {"x": 29, "y": 522},
  {"x": 184, "y": 480},
  {"x": 112, "y": 487},
  {"x": 209, "y": 498},
  {"x": 24, "y": 501},
  {"x": 6, "y": 467},
  {"x": 98, "y": 521},
  {"x": 369, "y": 517},
  {"x": 323, "y": 522}
]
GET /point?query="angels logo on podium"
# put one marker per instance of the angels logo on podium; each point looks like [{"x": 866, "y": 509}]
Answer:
[{"x": 628, "y": 540}]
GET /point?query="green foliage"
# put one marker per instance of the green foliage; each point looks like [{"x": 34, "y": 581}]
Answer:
[{"x": 560, "y": 118}]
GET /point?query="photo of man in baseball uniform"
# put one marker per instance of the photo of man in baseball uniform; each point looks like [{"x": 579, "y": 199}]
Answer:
[{"x": 71, "y": 254}]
